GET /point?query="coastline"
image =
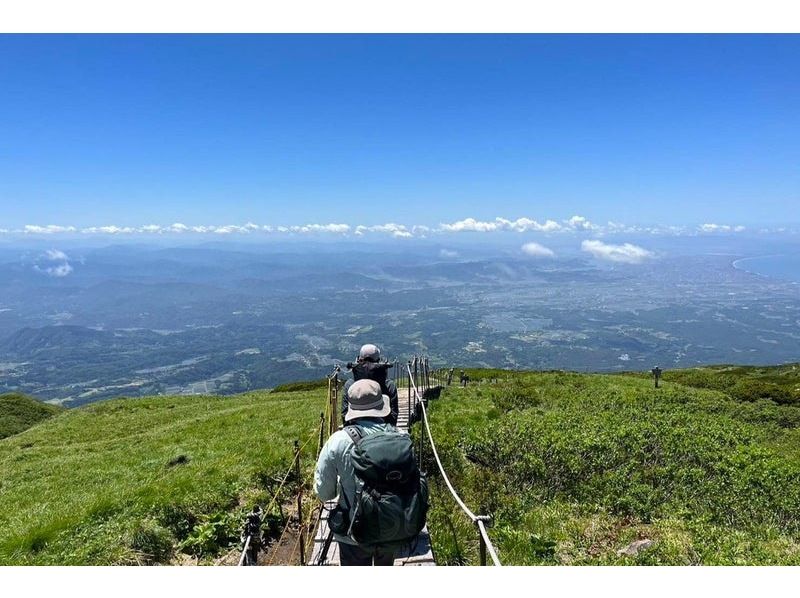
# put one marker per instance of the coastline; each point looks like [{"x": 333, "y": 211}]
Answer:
[{"x": 737, "y": 264}]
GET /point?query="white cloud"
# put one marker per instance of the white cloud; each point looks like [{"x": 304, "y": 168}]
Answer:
[
  {"x": 720, "y": 228},
  {"x": 448, "y": 253},
  {"x": 47, "y": 230},
  {"x": 53, "y": 262},
  {"x": 535, "y": 250},
  {"x": 225, "y": 230},
  {"x": 56, "y": 255},
  {"x": 59, "y": 270},
  {"x": 469, "y": 225},
  {"x": 575, "y": 224},
  {"x": 580, "y": 223},
  {"x": 399, "y": 231},
  {"x": 523, "y": 225},
  {"x": 626, "y": 253},
  {"x": 320, "y": 228},
  {"x": 109, "y": 230},
  {"x": 520, "y": 225}
]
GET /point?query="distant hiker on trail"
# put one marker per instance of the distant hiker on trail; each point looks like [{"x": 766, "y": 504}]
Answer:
[
  {"x": 368, "y": 366},
  {"x": 464, "y": 378},
  {"x": 370, "y": 465}
]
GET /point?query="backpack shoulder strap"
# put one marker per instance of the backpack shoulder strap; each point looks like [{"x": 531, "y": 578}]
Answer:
[{"x": 354, "y": 433}]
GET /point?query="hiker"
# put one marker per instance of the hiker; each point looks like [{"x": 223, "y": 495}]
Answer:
[
  {"x": 368, "y": 366},
  {"x": 382, "y": 497},
  {"x": 464, "y": 378}
]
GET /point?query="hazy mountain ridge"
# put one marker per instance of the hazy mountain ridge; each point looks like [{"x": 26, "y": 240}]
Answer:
[{"x": 147, "y": 320}]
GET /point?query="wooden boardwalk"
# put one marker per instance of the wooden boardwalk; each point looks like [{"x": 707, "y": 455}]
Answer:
[{"x": 422, "y": 554}]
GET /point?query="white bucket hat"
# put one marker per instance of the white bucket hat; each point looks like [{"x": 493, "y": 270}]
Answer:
[{"x": 366, "y": 400}]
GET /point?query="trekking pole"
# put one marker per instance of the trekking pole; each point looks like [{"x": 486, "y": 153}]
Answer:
[{"x": 299, "y": 501}]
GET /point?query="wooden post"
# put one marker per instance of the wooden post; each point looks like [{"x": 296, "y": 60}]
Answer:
[
  {"x": 321, "y": 431},
  {"x": 486, "y": 520},
  {"x": 427, "y": 374},
  {"x": 330, "y": 404},
  {"x": 408, "y": 388},
  {"x": 334, "y": 405},
  {"x": 482, "y": 549},
  {"x": 421, "y": 430},
  {"x": 416, "y": 377},
  {"x": 299, "y": 501}
]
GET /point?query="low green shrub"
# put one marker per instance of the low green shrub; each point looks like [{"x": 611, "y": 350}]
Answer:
[
  {"x": 213, "y": 533},
  {"x": 594, "y": 462},
  {"x": 151, "y": 542}
]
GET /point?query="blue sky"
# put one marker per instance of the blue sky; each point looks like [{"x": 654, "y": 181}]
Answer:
[{"x": 420, "y": 130}]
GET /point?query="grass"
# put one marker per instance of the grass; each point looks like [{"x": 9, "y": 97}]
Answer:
[
  {"x": 304, "y": 385},
  {"x": 575, "y": 467},
  {"x": 141, "y": 480},
  {"x": 19, "y": 412},
  {"x": 572, "y": 467}
]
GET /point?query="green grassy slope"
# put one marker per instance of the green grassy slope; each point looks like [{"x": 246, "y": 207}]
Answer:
[
  {"x": 19, "y": 412},
  {"x": 575, "y": 467},
  {"x": 141, "y": 480}
]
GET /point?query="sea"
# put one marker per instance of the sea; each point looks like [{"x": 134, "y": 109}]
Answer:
[{"x": 782, "y": 267}]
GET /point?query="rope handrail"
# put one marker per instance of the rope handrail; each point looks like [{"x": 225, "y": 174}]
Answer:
[
  {"x": 457, "y": 498},
  {"x": 289, "y": 471},
  {"x": 478, "y": 520}
]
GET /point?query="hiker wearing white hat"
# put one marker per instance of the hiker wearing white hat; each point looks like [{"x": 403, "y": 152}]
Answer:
[
  {"x": 368, "y": 366},
  {"x": 370, "y": 466}
]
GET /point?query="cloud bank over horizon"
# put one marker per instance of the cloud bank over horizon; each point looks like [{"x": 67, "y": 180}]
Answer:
[{"x": 575, "y": 224}]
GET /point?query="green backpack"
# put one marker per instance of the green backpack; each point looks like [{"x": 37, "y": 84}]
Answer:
[{"x": 391, "y": 501}]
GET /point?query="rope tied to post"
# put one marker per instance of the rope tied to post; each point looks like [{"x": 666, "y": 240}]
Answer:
[{"x": 478, "y": 520}]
